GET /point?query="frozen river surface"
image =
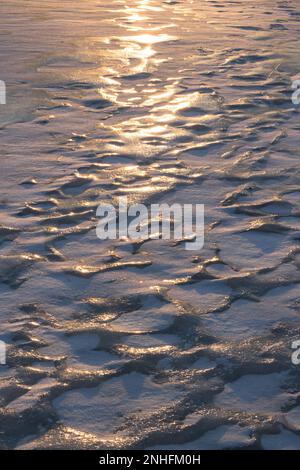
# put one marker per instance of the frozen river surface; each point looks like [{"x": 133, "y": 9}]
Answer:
[{"x": 121, "y": 344}]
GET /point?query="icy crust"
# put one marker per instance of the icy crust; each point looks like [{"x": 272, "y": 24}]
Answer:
[{"x": 121, "y": 344}]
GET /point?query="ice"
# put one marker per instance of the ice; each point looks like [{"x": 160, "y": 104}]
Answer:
[
  {"x": 130, "y": 343},
  {"x": 104, "y": 409},
  {"x": 285, "y": 440},
  {"x": 256, "y": 394},
  {"x": 221, "y": 438},
  {"x": 292, "y": 418},
  {"x": 245, "y": 319},
  {"x": 30, "y": 399}
]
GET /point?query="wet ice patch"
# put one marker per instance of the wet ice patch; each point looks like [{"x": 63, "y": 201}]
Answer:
[
  {"x": 285, "y": 440},
  {"x": 252, "y": 250},
  {"x": 255, "y": 394},
  {"x": 151, "y": 341},
  {"x": 80, "y": 351},
  {"x": 224, "y": 437},
  {"x": 63, "y": 344},
  {"x": 292, "y": 418},
  {"x": 245, "y": 319},
  {"x": 203, "y": 364},
  {"x": 146, "y": 321},
  {"x": 30, "y": 399},
  {"x": 203, "y": 296},
  {"x": 103, "y": 409}
]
